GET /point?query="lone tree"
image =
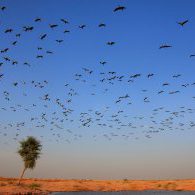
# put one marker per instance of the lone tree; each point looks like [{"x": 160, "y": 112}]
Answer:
[{"x": 29, "y": 150}]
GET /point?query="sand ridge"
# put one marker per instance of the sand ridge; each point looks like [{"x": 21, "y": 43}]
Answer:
[{"x": 44, "y": 186}]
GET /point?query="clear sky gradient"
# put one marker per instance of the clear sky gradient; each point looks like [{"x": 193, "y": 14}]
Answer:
[{"x": 145, "y": 136}]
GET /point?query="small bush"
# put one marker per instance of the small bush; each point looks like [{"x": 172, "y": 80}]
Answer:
[
  {"x": 80, "y": 188},
  {"x": 2, "y": 184},
  {"x": 34, "y": 186},
  {"x": 125, "y": 180},
  {"x": 10, "y": 182},
  {"x": 170, "y": 186}
]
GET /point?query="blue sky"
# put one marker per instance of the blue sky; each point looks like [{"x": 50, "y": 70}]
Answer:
[{"x": 76, "y": 151}]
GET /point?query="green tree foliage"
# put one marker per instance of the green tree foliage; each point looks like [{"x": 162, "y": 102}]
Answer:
[{"x": 30, "y": 151}]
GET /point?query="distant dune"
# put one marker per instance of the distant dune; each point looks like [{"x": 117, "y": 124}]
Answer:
[{"x": 44, "y": 186}]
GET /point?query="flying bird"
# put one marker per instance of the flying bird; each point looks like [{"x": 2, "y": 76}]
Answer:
[
  {"x": 164, "y": 46},
  {"x": 8, "y": 30},
  {"x": 160, "y": 92},
  {"x": 38, "y": 20},
  {"x": 14, "y": 43},
  {"x": 18, "y": 35},
  {"x": 150, "y": 75},
  {"x": 53, "y": 25},
  {"x": 103, "y": 62},
  {"x": 102, "y": 25},
  {"x": 119, "y": 8},
  {"x": 28, "y": 28},
  {"x": 82, "y": 26},
  {"x": 110, "y": 43},
  {"x": 66, "y": 31},
  {"x": 43, "y": 36},
  {"x": 64, "y": 21},
  {"x": 39, "y": 56},
  {"x": 59, "y": 41},
  {"x": 176, "y": 76},
  {"x": 135, "y": 76},
  {"x": 4, "y": 50},
  {"x": 182, "y": 23},
  {"x": 165, "y": 84},
  {"x": 3, "y": 8}
]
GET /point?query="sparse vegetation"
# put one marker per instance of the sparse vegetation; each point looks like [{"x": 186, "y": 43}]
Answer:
[
  {"x": 81, "y": 188},
  {"x": 34, "y": 186},
  {"x": 125, "y": 180},
  {"x": 11, "y": 182},
  {"x": 170, "y": 186},
  {"x": 2, "y": 184}
]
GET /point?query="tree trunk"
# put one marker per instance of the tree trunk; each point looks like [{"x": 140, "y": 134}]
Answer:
[{"x": 21, "y": 176}]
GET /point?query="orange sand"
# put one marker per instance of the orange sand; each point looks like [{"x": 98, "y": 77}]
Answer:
[{"x": 9, "y": 185}]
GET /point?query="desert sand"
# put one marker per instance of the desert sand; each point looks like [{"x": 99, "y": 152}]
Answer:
[{"x": 44, "y": 186}]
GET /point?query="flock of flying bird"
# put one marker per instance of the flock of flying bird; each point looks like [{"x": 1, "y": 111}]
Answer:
[{"x": 60, "y": 118}]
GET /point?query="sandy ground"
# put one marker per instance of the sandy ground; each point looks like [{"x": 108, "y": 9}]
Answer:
[{"x": 41, "y": 186}]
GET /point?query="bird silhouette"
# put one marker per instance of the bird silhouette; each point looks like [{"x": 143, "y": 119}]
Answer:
[
  {"x": 2, "y": 8},
  {"x": 82, "y": 26},
  {"x": 110, "y": 43},
  {"x": 43, "y": 36},
  {"x": 64, "y": 21},
  {"x": 28, "y": 28},
  {"x": 164, "y": 46},
  {"x": 102, "y": 25},
  {"x": 53, "y": 26},
  {"x": 38, "y": 20},
  {"x": 182, "y": 23},
  {"x": 119, "y": 8}
]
